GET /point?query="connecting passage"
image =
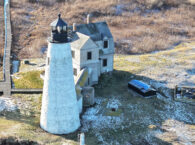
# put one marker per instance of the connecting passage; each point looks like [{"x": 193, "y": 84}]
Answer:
[
  {"x": 26, "y": 91},
  {"x": 5, "y": 85}
]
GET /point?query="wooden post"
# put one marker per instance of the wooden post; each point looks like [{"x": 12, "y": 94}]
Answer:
[
  {"x": 175, "y": 92},
  {"x": 82, "y": 139}
]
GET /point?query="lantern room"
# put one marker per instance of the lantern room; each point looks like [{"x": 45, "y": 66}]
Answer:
[{"x": 59, "y": 31}]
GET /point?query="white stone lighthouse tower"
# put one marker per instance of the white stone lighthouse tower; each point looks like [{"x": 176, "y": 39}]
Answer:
[{"x": 59, "y": 112}]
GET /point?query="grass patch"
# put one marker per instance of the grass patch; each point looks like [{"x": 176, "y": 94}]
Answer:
[
  {"x": 6, "y": 124},
  {"x": 34, "y": 103},
  {"x": 27, "y": 128},
  {"x": 29, "y": 80}
]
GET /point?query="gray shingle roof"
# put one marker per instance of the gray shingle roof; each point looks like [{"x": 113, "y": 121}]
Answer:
[
  {"x": 96, "y": 31},
  {"x": 58, "y": 22},
  {"x": 80, "y": 40}
]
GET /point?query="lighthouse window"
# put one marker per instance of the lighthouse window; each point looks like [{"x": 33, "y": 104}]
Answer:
[
  {"x": 105, "y": 43},
  {"x": 75, "y": 71},
  {"x": 53, "y": 28},
  {"x": 64, "y": 28},
  {"x": 104, "y": 62},
  {"x": 89, "y": 55},
  {"x": 48, "y": 61},
  {"x": 73, "y": 53},
  {"x": 59, "y": 28}
]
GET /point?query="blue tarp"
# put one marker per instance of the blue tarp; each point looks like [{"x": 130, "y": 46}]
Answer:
[
  {"x": 141, "y": 88},
  {"x": 140, "y": 85}
]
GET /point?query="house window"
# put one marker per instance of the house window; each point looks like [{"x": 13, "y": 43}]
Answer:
[
  {"x": 88, "y": 81},
  {"x": 73, "y": 53},
  {"x": 104, "y": 62},
  {"x": 105, "y": 43},
  {"x": 75, "y": 71},
  {"x": 89, "y": 55}
]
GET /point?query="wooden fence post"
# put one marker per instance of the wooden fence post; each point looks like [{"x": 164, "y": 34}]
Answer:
[{"x": 82, "y": 139}]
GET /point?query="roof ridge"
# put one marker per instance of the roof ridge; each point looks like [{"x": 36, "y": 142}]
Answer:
[{"x": 91, "y": 23}]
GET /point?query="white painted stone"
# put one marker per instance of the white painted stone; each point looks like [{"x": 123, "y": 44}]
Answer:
[{"x": 59, "y": 112}]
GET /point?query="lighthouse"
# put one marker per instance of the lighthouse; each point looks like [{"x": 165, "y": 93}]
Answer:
[{"x": 59, "y": 111}]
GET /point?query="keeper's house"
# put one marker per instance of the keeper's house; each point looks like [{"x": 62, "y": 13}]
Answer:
[{"x": 92, "y": 48}]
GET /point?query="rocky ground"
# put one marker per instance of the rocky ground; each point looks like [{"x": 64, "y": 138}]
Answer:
[{"x": 140, "y": 121}]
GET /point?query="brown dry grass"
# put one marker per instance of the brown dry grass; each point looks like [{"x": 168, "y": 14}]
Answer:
[{"x": 137, "y": 26}]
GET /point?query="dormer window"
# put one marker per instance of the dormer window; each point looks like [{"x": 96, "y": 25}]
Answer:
[
  {"x": 59, "y": 29},
  {"x": 105, "y": 43}
]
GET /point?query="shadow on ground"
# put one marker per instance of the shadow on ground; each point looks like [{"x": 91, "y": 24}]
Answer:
[
  {"x": 144, "y": 120},
  {"x": 14, "y": 141}
]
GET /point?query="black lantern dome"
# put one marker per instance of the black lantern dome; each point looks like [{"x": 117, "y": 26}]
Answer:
[{"x": 59, "y": 31}]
